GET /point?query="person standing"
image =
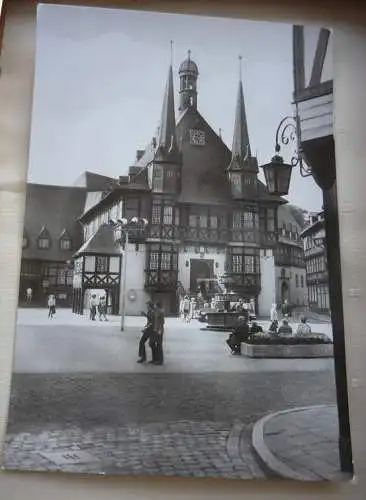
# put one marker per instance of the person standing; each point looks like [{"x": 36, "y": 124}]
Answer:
[
  {"x": 29, "y": 295},
  {"x": 186, "y": 308},
  {"x": 146, "y": 332},
  {"x": 102, "y": 308},
  {"x": 51, "y": 306},
  {"x": 274, "y": 313},
  {"x": 94, "y": 302},
  {"x": 156, "y": 339}
]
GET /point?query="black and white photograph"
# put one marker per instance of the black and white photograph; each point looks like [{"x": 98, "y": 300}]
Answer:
[{"x": 180, "y": 304}]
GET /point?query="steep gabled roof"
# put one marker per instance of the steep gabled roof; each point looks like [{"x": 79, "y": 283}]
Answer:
[
  {"x": 102, "y": 242},
  {"x": 56, "y": 209},
  {"x": 95, "y": 182}
]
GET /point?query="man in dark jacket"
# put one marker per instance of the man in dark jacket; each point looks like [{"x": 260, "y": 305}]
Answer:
[
  {"x": 239, "y": 335},
  {"x": 156, "y": 338},
  {"x": 146, "y": 332}
]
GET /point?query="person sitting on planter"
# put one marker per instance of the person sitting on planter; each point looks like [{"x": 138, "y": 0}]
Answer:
[
  {"x": 285, "y": 329},
  {"x": 240, "y": 334},
  {"x": 255, "y": 328},
  {"x": 273, "y": 327},
  {"x": 303, "y": 329}
]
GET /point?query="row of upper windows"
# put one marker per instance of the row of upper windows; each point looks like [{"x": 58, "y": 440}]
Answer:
[
  {"x": 244, "y": 219},
  {"x": 165, "y": 213},
  {"x": 44, "y": 243}
]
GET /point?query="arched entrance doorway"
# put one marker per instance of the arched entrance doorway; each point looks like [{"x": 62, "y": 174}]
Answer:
[
  {"x": 201, "y": 270},
  {"x": 285, "y": 289}
]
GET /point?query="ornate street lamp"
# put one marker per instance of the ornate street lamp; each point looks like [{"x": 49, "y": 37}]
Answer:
[
  {"x": 127, "y": 231},
  {"x": 278, "y": 173},
  {"x": 278, "y": 176}
]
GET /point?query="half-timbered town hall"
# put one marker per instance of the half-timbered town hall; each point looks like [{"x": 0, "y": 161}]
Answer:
[{"x": 208, "y": 216}]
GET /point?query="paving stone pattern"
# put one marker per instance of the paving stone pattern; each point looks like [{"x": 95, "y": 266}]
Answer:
[
  {"x": 307, "y": 442},
  {"x": 182, "y": 448}
]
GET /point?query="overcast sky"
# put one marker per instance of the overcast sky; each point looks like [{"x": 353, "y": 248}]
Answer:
[{"x": 100, "y": 79}]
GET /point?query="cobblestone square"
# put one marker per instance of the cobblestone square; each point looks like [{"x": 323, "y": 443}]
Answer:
[{"x": 81, "y": 403}]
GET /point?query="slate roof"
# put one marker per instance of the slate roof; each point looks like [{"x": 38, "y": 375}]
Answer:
[
  {"x": 95, "y": 182},
  {"x": 293, "y": 214},
  {"x": 54, "y": 208},
  {"x": 204, "y": 172},
  {"x": 101, "y": 242}
]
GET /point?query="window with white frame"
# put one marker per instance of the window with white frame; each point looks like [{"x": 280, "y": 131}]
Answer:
[
  {"x": 154, "y": 260},
  {"x": 236, "y": 184},
  {"x": 237, "y": 261},
  {"x": 102, "y": 264},
  {"x": 165, "y": 261},
  {"x": 213, "y": 221},
  {"x": 158, "y": 179},
  {"x": 163, "y": 257},
  {"x": 156, "y": 213},
  {"x": 244, "y": 219},
  {"x": 192, "y": 220},
  {"x": 65, "y": 244},
  {"x": 202, "y": 221},
  {"x": 44, "y": 243},
  {"x": 168, "y": 215},
  {"x": 249, "y": 264}
]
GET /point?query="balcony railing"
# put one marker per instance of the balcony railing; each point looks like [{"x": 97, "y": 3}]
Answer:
[
  {"x": 317, "y": 277},
  {"x": 245, "y": 283},
  {"x": 212, "y": 235},
  {"x": 164, "y": 232},
  {"x": 161, "y": 280}
]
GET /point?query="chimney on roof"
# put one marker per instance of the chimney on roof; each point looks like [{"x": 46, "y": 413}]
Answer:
[
  {"x": 133, "y": 172},
  {"x": 139, "y": 154},
  {"x": 123, "y": 179}
]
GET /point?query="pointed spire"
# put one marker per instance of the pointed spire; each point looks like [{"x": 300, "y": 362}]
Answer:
[
  {"x": 241, "y": 146},
  {"x": 167, "y": 135},
  {"x": 171, "y": 52}
]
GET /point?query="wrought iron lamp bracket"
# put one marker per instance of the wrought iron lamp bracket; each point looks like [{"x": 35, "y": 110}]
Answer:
[{"x": 288, "y": 133}]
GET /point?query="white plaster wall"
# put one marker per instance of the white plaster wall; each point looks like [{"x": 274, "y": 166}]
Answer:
[
  {"x": 297, "y": 295},
  {"x": 211, "y": 253},
  {"x": 268, "y": 282},
  {"x": 135, "y": 280}
]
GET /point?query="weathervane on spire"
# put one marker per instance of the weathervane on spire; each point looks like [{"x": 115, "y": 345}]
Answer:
[
  {"x": 240, "y": 67},
  {"x": 171, "y": 52}
]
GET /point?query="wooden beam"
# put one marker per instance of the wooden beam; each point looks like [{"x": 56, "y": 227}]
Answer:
[
  {"x": 320, "y": 53},
  {"x": 298, "y": 58},
  {"x": 4, "y": 9}
]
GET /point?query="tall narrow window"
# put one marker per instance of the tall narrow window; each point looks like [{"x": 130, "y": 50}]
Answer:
[
  {"x": 158, "y": 179},
  {"x": 102, "y": 264},
  {"x": 65, "y": 240},
  {"x": 154, "y": 260},
  {"x": 156, "y": 213},
  {"x": 249, "y": 264},
  {"x": 236, "y": 184},
  {"x": 65, "y": 244},
  {"x": 270, "y": 219},
  {"x": 192, "y": 220},
  {"x": 236, "y": 263},
  {"x": 202, "y": 221},
  {"x": 168, "y": 215},
  {"x": 44, "y": 239},
  {"x": 213, "y": 221}
]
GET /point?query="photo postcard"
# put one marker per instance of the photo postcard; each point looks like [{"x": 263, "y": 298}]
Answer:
[{"x": 180, "y": 311}]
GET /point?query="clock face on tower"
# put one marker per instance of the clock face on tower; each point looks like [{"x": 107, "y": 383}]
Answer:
[{"x": 197, "y": 137}]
